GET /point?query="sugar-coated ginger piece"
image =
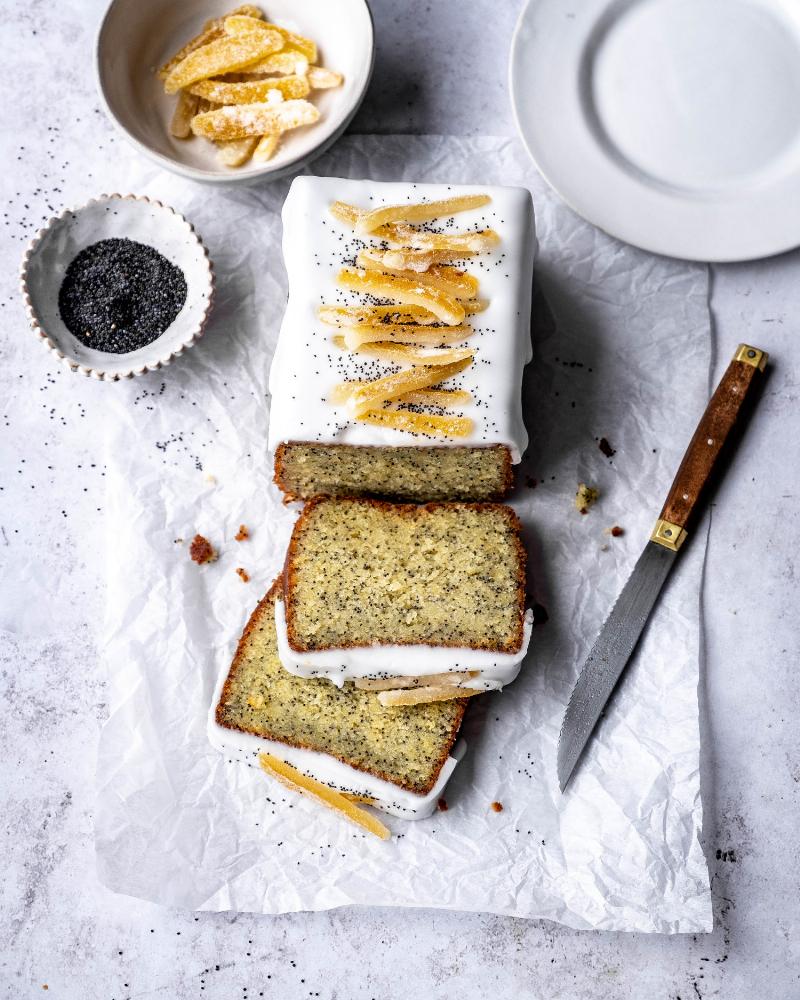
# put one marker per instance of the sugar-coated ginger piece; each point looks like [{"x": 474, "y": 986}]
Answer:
[
  {"x": 236, "y": 152},
  {"x": 403, "y": 354},
  {"x": 425, "y": 424},
  {"x": 442, "y": 399},
  {"x": 250, "y": 91},
  {"x": 374, "y": 394},
  {"x": 288, "y": 62},
  {"x": 266, "y": 148},
  {"x": 215, "y": 28},
  {"x": 400, "y": 236},
  {"x": 424, "y": 695},
  {"x": 238, "y": 24},
  {"x": 323, "y": 79},
  {"x": 416, "y": 259},
  {"x": 224, "y": 55},
  {"x": 295, "y": 780},
  {"x": 185, "y": 110},
  {"x": 358, "y": 315},
  {"x": 450, "y": 280},
  {"x": 235, "y": 121},
  {"x": 405, "y": 333},
  {"x": 408, "y": 291},
  {"x": 367, "y": 222}
]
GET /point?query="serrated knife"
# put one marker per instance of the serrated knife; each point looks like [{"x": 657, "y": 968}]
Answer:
[{"x": 616, "y": 643}]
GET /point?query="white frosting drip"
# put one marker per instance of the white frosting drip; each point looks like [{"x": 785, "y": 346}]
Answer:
[
  {"x": 306, "y": 365},
  {"x": 388, "y": 797},
  {"x": 495, "y": 670}
]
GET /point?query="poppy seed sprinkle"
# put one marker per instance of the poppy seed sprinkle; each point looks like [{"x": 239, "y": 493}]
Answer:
[{"x": 119, "y": 295}]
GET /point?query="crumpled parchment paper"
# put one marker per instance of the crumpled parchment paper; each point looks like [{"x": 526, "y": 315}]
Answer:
[{"x": 622, "y": 350}]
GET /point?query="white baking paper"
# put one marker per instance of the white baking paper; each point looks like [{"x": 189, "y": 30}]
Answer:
[{"x": 622, "y": 350}]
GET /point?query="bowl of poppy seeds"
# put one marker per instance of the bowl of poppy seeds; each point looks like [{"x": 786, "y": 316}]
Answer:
[{"x": 119, "y": 287}]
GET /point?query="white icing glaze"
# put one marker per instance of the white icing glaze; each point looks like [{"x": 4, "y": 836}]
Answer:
[
  {"x": 340, "y": 665},
  {"x": 388, "y": 797},
  {"x": 306, "y": 365}
]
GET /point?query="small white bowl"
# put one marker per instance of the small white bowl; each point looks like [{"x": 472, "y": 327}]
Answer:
[
  {"x": 53, "y": 248},
  {"x": 138, "y": 36}
]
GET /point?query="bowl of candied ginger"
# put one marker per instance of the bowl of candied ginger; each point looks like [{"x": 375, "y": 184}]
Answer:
[{"x": 226, "y": 94}]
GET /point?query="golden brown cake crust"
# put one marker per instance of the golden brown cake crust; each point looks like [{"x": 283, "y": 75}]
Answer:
[
  {"x": 407, "y": 509},
  {"x": 280, "y": 475},
  {"x": 264, "y": 612}
]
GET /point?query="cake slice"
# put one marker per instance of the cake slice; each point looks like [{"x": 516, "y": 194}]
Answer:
[
  {"x": 398, "y": 759},
  {"x": 387, "y": 283},
  {"x": 431, "y": 595}
]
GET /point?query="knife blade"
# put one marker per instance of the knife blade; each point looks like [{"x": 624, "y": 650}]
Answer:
[{"x": 619, "y": 636}]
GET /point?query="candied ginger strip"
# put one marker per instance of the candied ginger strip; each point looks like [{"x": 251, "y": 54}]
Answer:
[
  {"x": 356, "y": 315},
  {"x": 429, "y": 424},
  {"x": 423, "y": 680},
  {"x": 235, "y": 121},
  {"x": 450, "y": 280},
  {"x": 404, "y": 290},
  {"x": 185, "y": 110},
  {"x": 212, "y": 30},
  {"x": 236, "y": 152},
  {"x": 267, "y": 145},
  {"x": 424, "y": 695},
  {"x": 249, "y": 92},
  {"x": 287, "y": 62},
  {"x": 403, "y": 354},
  {"x": 238, "y": 25},
  {"x": 442, "y": 398},
  {"x": 295, "y": 780},
  {"x": 368, "y": 222},
  {"x": 224, "y": 55},
  {"x": 323, "y": 79},
  {"x": 411, "y": 259},
  {"x": 400, "y": 236},
  {"x": 408, "y": 333},
  {"x": 374, "y": 394}
]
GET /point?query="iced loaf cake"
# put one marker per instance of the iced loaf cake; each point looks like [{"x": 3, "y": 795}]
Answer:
[{"x": 439, "y": 295}]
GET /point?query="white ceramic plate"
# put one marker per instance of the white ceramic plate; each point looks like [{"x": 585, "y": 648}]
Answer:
[
  {"x": 671, "y": 124},
  {"x": 115, "y": 216},
  {"x": 138, "y": 36}
]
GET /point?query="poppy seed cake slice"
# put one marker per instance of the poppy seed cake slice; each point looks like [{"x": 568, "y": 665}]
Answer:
[
  {"x": 345, "y": 738},
  {"x": 304, "y": 470},
  {"x": 373, "y": 589}
]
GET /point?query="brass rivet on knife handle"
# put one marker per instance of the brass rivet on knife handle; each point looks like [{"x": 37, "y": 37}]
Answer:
[
  {"x": 712, "y": 432},
  {"x": 671, "y": 536},
  {"x": 751, "y": 356}
]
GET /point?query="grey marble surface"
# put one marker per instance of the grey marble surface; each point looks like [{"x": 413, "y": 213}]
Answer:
[{"x": 441, "y": 68}]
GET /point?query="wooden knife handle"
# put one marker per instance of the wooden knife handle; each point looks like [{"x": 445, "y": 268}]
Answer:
[{"x": 712, "y": 432}]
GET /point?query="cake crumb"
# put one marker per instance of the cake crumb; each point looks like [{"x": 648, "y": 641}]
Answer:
[
  {"x": 616, "y": 531},
  {"x": 606, "y": 448},
  {"x": 243, "y": 575},
  {"x": 202, "y": 551},
  {"x": 585, "y": 497},
  {"x": 442, "y": 805},
  {"x": 242, "y": 533},
  {"x": 497, "y": 807},
  {"x": 211, "y": 479}
]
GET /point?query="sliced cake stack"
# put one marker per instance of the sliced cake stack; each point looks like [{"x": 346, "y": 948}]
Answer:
[{"x": 351, "y": 678}]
